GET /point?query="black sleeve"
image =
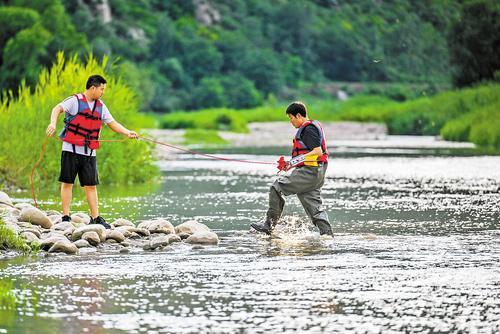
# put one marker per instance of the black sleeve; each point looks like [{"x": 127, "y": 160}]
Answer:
[{"x": 310, "y": 136}]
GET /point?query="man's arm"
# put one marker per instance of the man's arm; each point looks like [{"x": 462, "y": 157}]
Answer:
[
  {"x": 56, "y": 111},
  {"x": 118, "y": 128}
]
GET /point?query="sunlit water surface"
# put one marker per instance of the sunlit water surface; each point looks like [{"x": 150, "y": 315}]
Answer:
[{"x": 416, "y": 249}]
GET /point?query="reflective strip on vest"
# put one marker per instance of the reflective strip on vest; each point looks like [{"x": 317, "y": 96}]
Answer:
[{"x": 299, "y": 147}]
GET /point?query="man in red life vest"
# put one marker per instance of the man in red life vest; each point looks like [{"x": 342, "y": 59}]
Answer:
[
  {"x": 310, "y": 160},
  {"x": 85, "y": 113}
]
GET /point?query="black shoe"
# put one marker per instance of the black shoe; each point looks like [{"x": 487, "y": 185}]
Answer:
[
  {"x": 263, "y": 228},
  {"x": 66, "y": 218},
  {"x": 99, "y": 220}
]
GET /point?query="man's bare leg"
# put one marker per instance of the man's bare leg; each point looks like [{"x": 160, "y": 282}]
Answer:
[
  {"x": 66, "y": 196},
  {"x": 91, "y": 193}
]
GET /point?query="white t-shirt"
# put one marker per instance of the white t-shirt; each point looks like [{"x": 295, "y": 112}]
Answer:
[{"x": 70, "y": 106}]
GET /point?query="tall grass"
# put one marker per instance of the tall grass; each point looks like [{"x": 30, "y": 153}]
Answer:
[
  {"x": 23, "y": 120},
  {"x": 9, "y": 240}
]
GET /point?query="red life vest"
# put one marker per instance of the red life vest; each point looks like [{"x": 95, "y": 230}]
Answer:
[
  {"x": 83, "y": 128},
  {"x": 300, "y": 148}
]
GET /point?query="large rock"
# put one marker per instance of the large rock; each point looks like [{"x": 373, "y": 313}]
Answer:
[
  {"x": 122, "y": 222},
  {"x": 33, "y": 230},
  {"x": 161, "y": 240},
  {"x": 29, "y": 237},
  {"x": 35, "y": 216},
  {"x": 62, "y": 226},
  {"x": 92, "y": 237},
  {"x": 114, "y": 235},
  {"x": 21, "y": 206},
  {"x": 130, "y": 231},
  {"x": 4, "y": 198},
  {"x": 173, "y": 238},
  {"x": 158, "y": 225},
  {"x": 81, "y": 243},
  {"x": 99, "y": 229},
  {"x": 80, "y": 218},
  {"x": 191, "y": 227},
  {"x": 46, "y": 244},
  {"x": 63, "y": 246},
  {"x": 203, "y": 238}
]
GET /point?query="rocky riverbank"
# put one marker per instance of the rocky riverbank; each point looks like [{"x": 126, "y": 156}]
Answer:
[{"x": 47, "y": 231}]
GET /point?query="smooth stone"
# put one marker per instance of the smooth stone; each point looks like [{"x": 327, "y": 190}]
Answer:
[
  {"x": 31, "y": 230},
  {"x": 125, "y": 243},
  {"x": 4, "y": 198},
  {"x": 80, "y": 218},
  {"x": 204, "y": 238},
  {"x": 21, "y": 206},
  {"x": 62, "y": 226},
  {"x": 29, "y": 237},
  {"x": 159, "y": 241},
  {"x": 56, "y": 219},
  {"x": 63, "y": 246},
  {"x": 127, "y": 230},
  {"x": 10, "y": 211},
  {"x": 49, "y": 234},
  {"x": 158, "y": 225},
  {"x": 35, "y": 216},
  {"x": 197, "y": 247},
  {"x": 122, "y": 222},
  {"x": 125, "y": 250},
  {"x": 191, "y": 227},
  {"x": 111, "y": 241},
  {"x": 82, "y": 243},
  {"x": 167, "y": 248},
  {"x": 46, "y": 244},
  {"x": 134, "y": 235},
  {"x": 92, "y": 237},
  {"x": 173, "y": 238},
  {"x": 99, "y": 229},
  {"x": 114, "y": 234},
  {"x": 25, "y": 224}
]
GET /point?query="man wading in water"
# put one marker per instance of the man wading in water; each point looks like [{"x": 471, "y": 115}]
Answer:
[
  {"x": 85, "y": 113},
  {"x": 310, "y": 160}
]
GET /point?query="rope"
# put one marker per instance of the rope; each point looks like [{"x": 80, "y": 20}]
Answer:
[
  {"x": 204, "y": 154},
  {"x": 46, "y": 140}
]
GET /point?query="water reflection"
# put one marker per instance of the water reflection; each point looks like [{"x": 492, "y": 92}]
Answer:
[{"x": 415, "y": 250}]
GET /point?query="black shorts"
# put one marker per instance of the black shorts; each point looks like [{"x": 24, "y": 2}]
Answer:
[{"x": 84, "y": 166}]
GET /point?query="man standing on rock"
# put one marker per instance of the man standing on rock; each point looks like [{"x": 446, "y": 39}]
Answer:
[
  {"x": 310, "y": 160},
  {"x": 85, "y": 113}
]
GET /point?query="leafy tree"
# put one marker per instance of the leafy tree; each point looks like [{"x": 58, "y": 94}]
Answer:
[{"x": 475, "y": 42}]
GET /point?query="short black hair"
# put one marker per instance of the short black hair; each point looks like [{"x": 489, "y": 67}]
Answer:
[
  {"x": 297, "y": 107},
  {"x": 95, "y": 80}
]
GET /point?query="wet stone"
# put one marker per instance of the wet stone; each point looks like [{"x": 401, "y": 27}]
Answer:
[
  {"x": 204, "y": 238},
  {"x": 63, "y": 246},
  {"x": 191, "y": 227},
  {"x": 4, "y": 198},
  {"x": 82, "y": 243},
  {"x": 92, "y": 237},
  {"x": 80, "y": 218},
  {"x": 29, "y": 237},
  {"x": 35, "y": 217},
  {"x": 125, "y": 250},
  {"x": 122, "y": 222}
]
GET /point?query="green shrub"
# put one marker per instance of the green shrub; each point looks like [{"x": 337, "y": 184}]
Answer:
[
  {"x": 9, "y": 240},
  {"x": 201, "y": 136},
  {"x": 23, "y": 121}
]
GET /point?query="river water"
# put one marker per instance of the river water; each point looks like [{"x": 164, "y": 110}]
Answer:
[{"x": 416, "y": 250}]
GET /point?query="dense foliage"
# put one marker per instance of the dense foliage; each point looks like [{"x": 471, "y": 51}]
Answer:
[
  {"x": 471, "y": 114},
  {"x": 23, "y": 120},
  {"x": 186, "y": 54}
]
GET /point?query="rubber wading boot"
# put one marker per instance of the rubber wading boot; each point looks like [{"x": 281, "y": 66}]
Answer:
[{"x": 266, "y": 227}]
